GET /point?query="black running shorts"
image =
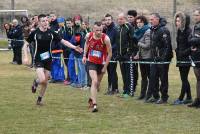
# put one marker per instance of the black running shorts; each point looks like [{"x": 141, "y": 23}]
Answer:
[
  {"x": 97, "y": 67},
  {"x": 46, "y": 65}
]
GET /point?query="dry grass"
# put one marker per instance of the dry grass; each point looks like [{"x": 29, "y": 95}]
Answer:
[{"x": 97, "y": 8}]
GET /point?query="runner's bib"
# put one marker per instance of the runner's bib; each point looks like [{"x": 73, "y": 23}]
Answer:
[
  {"x": 95, "y": 53},
  {"x": 45, "y": 55}
]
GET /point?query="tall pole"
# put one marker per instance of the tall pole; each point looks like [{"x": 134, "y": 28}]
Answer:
[
  {"x": 173, "y": 26},
  {"x": 12, "y": 8},
  {"x": 174, "y": 7}
]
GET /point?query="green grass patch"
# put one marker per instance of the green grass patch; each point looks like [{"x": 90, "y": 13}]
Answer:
[
  {"x": 65, "y": 108},
  {"x": 3, "y": 43}
]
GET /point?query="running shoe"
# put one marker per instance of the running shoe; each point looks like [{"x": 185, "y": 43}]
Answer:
[
  {"x": 34, "y": 86},
  {"x": 94, "y": 109}
]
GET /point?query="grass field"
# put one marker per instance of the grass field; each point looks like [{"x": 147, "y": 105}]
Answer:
[
  {"x": 65, "y": 108},
  {"x": 3, "y": 44}
]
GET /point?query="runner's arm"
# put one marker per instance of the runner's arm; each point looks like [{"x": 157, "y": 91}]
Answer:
[
  {"x": 85, "y": 48},
  {"x": 109, "y": 50},
  {"x": 86, "y": 45},
  {"x": 68, "y": 44}
]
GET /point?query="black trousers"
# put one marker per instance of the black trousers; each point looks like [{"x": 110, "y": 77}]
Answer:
[
  {"x": 32, "y": 52},
  {"x": 66, "y": 59},
  {"x": 197, "y": 74},
  {"x": 17, "y": 55},
  {"x": 145, "y": 74},
  {"x": 185, "y": 88},
  {"x": 128, "y": 71},
  {"x": 158, "y": 72},
  {"x": 135, "y": 75},
  {"x": 112, "y": 76}
]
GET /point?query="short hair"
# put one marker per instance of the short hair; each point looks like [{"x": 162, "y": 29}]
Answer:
[
  {"x": 103, "y": 19},
  {"x": 132, "y": 13},
  {"x": 41, "y": 16},
  {"x": 98, "y": 23},
  {"x": 142, "y": 18},
  {"x": 86, "y": 22},
  {"x": 108, "y": 15},
  {"x": 69, "y": 19},
  {"x": 157, "y": 15},
  {"x": 15, "y": 21},
  {"x": 198, "y": 9}
]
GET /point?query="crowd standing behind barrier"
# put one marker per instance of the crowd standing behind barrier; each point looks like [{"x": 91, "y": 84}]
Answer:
[{"x": 134, "y": 39}]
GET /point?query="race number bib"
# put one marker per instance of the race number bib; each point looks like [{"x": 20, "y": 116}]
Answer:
[
  {"x": 95, "y": 53},
  {"x": 45, "y": 55}
]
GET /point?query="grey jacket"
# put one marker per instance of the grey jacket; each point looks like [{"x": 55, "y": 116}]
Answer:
[{"x": 144, "y": 46}]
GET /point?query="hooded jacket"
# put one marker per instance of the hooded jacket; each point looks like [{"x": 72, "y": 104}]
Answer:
[
  {"x": 183, "y": 49},
  {"x": 194, "y": 40},
  {"x": 160, "y": 42}
]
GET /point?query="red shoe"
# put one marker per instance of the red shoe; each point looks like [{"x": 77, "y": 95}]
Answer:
[{"x": 90, "y": 102}]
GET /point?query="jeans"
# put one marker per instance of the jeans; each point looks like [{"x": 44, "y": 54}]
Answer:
[
  {"x": 71, "y": 68},
  {"x": 82, "y": 77}
]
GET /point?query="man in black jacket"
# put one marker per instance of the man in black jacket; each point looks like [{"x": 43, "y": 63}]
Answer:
[
  {"x": 125, "y": 53},
  {"x": 194, "y": 40},
  {"x": 53, "y": 24},
  {"x": 17, "y": 42},
  {"x": 131, "y": 15},
  {"x": 111, "y": 31},
  {"x": 162, "y": 52}
]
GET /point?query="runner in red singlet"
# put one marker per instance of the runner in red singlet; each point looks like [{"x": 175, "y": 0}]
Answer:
[{"x": 98, "y": 51}]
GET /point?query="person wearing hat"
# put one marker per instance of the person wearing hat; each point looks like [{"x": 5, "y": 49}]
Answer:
[
  {"x": 78, "y": 40},
  {"x": 57, "y": 71},
  {"x": 77, "y": 23},
  {"x": 77, "y": 20}
]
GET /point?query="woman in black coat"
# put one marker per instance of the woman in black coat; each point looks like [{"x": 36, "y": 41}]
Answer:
[{"x": 183, "y": 50}]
